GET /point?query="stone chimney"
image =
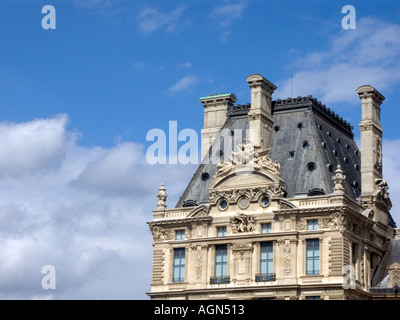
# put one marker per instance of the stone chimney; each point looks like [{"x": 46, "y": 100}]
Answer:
[
  {"x": 260, "y": 114},
  {"x": 371, "y": 138},
  {"x": 215, "y": 114}
]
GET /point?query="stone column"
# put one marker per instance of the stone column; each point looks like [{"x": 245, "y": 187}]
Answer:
[
  {"x": 215, "y": 115},
  {"x": 371, "y": 138}
]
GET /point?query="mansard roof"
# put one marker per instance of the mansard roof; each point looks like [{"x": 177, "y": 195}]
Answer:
[{"x": 308, "y": 140}]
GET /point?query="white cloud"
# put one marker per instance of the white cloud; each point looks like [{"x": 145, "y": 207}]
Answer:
[
  {"x": 151, "y": 18},
  {"x": 370, "y": 54},
  {"x": 183, "y": 84},
  {"x": 82, "y": 210},
  {"x": 28, "y": 147},
  {"x": 103, "y": 7},
  {"x": 228, "y": 14}
]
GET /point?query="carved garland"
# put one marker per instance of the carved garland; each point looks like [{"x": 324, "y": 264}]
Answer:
[{"x": 252, "y": 193}]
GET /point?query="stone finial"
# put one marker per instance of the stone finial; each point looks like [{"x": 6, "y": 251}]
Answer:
[
  {"x": 339, "y": 178},
  {"x": 162, "y": 197}
]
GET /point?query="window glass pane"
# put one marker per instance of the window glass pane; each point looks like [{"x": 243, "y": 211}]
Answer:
[
  {"x": 312, "y": 225},
  {"x": 266, "y": 257},
  {"x": 179, "y": 265},
  {"x": 221, "y": 231},
  {"x": 312, "y": 256},
  {"x": 221, "y": 260},
  {"x": 180, "y": 235},
  {"x": 266, "y": 228}
]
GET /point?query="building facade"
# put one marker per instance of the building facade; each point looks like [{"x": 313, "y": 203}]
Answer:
[{"x": 283, "y": 206}]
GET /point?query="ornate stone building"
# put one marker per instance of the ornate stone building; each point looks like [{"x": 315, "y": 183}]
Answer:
[{"x": 283, "y": 206}]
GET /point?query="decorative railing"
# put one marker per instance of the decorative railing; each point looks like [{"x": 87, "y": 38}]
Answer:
[
  {"x": 171, "y": 213},
  {"x": 265, "y": 277},
  {"x": 219, "y": 280}
]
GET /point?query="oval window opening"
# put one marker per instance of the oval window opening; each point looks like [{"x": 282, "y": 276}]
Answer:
[
  {"x": 311, "y": 166},
  {"x": 223, "y": 204}
]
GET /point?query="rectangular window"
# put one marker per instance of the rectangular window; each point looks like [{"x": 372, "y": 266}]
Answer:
[
  {"x": 179, "y": 265},
  {"x": 313, "y": 298},
  {"x": 312, "y": 224},
  {"x": 221, "y": 260},
  {"x": 266, "y": 228},
  {"x": 291, "y": 155},
  {"x": 266, "y": 258},
  {"x": 221, "y": 231},
  {"x": 312, "y": 256},
  {"x": 180, "y": 235}
]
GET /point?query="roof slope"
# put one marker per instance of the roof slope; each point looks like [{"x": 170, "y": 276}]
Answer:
[{"x": 308, "y": 140}]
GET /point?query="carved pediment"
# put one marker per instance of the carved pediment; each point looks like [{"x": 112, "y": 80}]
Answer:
[{"x": 247, "y": 167}]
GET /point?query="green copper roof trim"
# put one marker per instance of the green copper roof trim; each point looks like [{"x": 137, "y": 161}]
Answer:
[{"x": 217, "y": 95}]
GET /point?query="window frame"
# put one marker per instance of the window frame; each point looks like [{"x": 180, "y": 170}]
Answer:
[
  {"x": 313, "y": 256},
  {"x": 312, "y": 225},
  {"x": 223, "y": 233},
  {"x": 221, "y": 260},
  {"x": 180, "y": 234},
  {"x": 268, "y": 262},
  {"x": 179, "y": 265},
  {"x": 266, "y": 227}
]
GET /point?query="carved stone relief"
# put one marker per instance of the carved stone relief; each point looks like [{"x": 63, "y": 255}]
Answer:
[
  {"x": 287, "y": 252},
  {"x": 335, "y": 221},
  {"x": 394, "y": 274},
  {"x": 242, "y": 223},
  {"x": 160, "y": 234},
  {"x": 378, "y": 153}
]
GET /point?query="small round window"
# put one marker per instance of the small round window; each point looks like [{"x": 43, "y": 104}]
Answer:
[
  {"x": 205, "y": 176},
  {"x": 223, "y": 204},
  {"x": 311, "y": 166},
  {"x": 305, "y": 144},
  {"x": 265, "y": 201}
]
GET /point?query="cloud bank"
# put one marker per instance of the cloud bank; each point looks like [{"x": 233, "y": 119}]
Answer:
[
  {"x": 370, "y": 54},
  {"x": 82, "y": 210}
]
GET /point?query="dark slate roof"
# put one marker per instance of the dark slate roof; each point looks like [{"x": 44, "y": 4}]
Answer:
[{"x": 308, "y": 140}]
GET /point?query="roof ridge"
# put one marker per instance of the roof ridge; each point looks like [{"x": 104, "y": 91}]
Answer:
[{"x": 311, "y": 102}]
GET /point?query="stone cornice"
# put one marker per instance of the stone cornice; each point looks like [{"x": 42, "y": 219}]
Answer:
[{"x": 179, "y": 221}]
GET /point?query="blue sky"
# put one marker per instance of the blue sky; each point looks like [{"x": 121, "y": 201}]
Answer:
[{"x": 76, "y": 104}]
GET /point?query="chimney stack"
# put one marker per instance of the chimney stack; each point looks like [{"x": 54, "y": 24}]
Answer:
[
  {"x": 260, "y": 114},
  {"x": 371, "y": 138},
  {"x": 215, "y": 115}
]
